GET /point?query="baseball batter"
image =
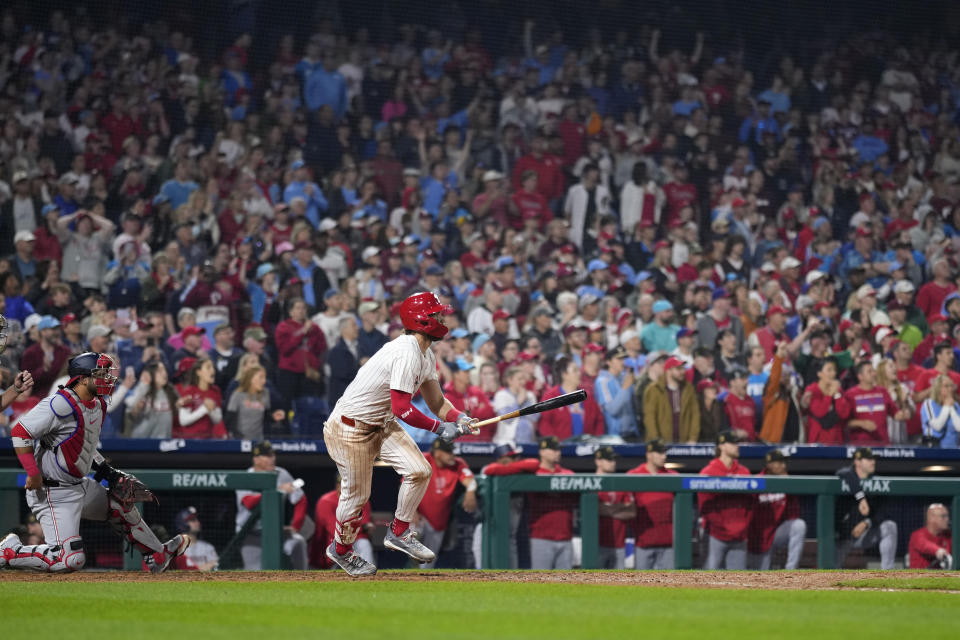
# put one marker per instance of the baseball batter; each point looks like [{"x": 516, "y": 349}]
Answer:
[
  {"x": 363, "y": 426},
  {"x": 56, "y": 442}
]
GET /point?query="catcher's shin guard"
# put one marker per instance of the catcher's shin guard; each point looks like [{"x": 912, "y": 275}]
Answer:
[
  {"x": 127, "y": 522},
  {"x": 42, "y": 557}
]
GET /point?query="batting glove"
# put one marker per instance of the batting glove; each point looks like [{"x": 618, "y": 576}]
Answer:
[
  {"x": 465, "y": 425},
  {"x": 448, "y": 431}
]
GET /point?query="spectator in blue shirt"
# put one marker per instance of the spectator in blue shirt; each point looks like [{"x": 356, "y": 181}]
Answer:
[
  {"x": 614, "y": 390},
  {"x": 687, "y": 103},
  {"x": 436, "y": 184},
  {"x": 234, "y": 78},
  {"x": 755, "y": 126},
  {"x": 309, "y": 191},
  {"x": 860, "y": 254},
  {"x": 778, "y": 99},
  {"x": 178, "y": 189},
  {"x": 435, "y": 55},
  {"x": 324, "y": 85},
  {"x": 869, "y": 147}
]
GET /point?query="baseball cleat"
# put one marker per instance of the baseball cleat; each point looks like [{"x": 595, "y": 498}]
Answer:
[
  {"x": 408, "y": 544},
  {"x": 8, "y": 548},
  {"x": 350, "y": 562},
  {"x": 175, "y": 546}
]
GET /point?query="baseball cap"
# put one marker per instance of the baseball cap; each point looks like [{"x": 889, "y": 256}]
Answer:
[
  {"x": 657, "y": 446},
  {"x": 48, "y": 322},
  {"x": 775, "y": 455},
  {"x": 813, "y": 276},
  {"x": 616, "y": 352},
  {"x": 768, "y": 267},
  {"x": 686, "y": 332},
  {"x": 31, "y": 321},
  {"x": 656, "y": 356},
  {"x": 255, "y": 333},
  {"x": 592, "y": 347},
  {"x": 264, "y": 269},
  {"x": 662, "y": 305},
  {"x": 550, "y": 442},
  {"x": 283, "y": 247},
  {"x": 672, "y": 362},
  {"x": 24, "y": 236},
  {"x": 776, "y": 309},
  {"x": 865, "y": 291},
  {"x": 411, "y": 172},
  {"x": 492, "y": 175},
  {"x": 728, "y": 436},
  {"x": 881, "y": 332},
  {"x": 479, "y": 341},
  {"x": 506, "y": 449},
  {"x": 501, "y": 314},
  {"x": 223, "y": 326},
  {"x": 263, "y": 449},
  {"x": 442, "y": 445},
  {"x": 587, "y": 299},
  {"x": 297, "y": 164},
  {"x": 863, "y": 453},
  {"x": 68, "y": 318},
  {"x": 327, "y": 224},
  {"x": 936, "y": 317},
  {"x": 20, "y": 176},
  {"x": 99, "y": 331},
  {"x": 895, "y": 305},
  {"x": 185, "y": 365},
  {"x": 47, "y": 208},
  {"x": 720, "y": 292},
  {"x": 573, "y": 326},
  {"x": 789, "y": 263},
  {"x": 191, "y": 331},
  {"x": 464, "y": 365},
  {"x": 628, "y": 335},
  {"x": 606, "y": 453},
  {"x": 705, "y": 384},
  {"x": 597, "y": 265},
  {"x": 903, "y": 286},
  {"x": 459, "y": 332}
]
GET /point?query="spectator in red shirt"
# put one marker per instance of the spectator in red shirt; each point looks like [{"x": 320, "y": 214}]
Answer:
[
  {"x": 572, "y": 420},
  {"x": 200, "y": 408},
  {"x": 768, "y": 336},
  {"x": 870, "y": 405},
  {"x": 616, "y": 509},
  {"x": 827, "y": 407},
  {"x": 938, "y": 334},
  {"x": 448, "y": 472},
  {"x": 680, "y": 193},
  {"x": 741, "y": 409},
  {"x": 46, "y": 358},
  {"x": 931, "y": 295},
  {"x": 550, "y": 184},
  {"x": 931, "y": 546},
  {"x": 494, "y": 202},
  {"x": 942, "y": 366},
  {"x": 325, "y": 518},
  {"x": 654, "y": 523},
  {"x": 775, "y": 522},
  {"x": 300, "y": 347},
  {"x": 470, "y": 399},
  {"x": 726, "y": 516},
  {"x": 530, "y": 204}
]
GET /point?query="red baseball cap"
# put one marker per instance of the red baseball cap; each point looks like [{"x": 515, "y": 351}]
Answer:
[
  {"x": 738, "y": 202},
  {"x": 185, "y": 365},
  {"x": 563, "y": 271},
  {"x": 524, "y": 356},
  {"x": 823, "y": 304},
  {"x": 777, "y": 309},
  {"x": 501, "y": 314},
  {"x": 68, "y": 318},
  {"x": 593, "y": 347},
  {"x": 936, "y": 317},
  {"x": 193, "y": 331},
  {"x": 863, "y": 232},
  {"x": 663, "y": 244},
  {"x": 705, "y": 384},
  {"x": 672, "y": 362},
  {"x": 845, "y": 324}
]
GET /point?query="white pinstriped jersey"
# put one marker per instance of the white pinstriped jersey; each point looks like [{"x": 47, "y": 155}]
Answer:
[{"x": 400, "y": 365}]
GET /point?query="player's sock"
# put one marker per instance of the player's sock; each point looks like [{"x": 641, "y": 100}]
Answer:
[
  {"x": 343, "y": 549},
  {"x": 399, "y": 527}
]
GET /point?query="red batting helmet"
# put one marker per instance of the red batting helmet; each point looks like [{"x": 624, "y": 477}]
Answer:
[{"x": 416, "y": 314}]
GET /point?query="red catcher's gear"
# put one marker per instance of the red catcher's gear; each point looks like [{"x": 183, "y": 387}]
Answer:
[{"x": 416, "y": 312}]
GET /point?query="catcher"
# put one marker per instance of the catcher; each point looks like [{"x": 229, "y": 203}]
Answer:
[
  {"x": 56, "y": 444},
  {"x": 22, "y": 383}
]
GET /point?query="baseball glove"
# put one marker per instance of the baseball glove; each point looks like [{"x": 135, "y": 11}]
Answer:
[{"x": 128, "y": 490}]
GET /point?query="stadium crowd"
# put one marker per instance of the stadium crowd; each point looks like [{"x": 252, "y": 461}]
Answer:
[{"x": 701, "y": 246}]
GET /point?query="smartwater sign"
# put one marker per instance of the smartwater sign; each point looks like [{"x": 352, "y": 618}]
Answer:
[{"x": 724, "y": 484}]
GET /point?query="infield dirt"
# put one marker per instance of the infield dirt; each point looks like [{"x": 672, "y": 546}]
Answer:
[{"x": 780, "y": 580}]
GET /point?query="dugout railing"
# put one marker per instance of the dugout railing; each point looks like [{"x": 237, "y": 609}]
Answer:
[
  {"x": 174, "y": 481},
  {"x": 685, "y": 487}
]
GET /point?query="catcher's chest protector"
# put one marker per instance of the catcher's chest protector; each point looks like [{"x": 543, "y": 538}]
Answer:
[{"x": 73, "y": 439}]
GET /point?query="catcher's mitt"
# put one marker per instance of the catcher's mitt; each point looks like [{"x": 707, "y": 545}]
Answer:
[{"x": 128, "y": 490}]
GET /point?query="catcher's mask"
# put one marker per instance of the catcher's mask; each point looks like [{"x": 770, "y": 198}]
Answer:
[{"x": 103, "y": 368}]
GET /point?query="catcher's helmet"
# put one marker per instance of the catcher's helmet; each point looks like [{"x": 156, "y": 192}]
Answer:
[
  {"x": 417, "y": 314},
  {"x": 104, "y": 369}
]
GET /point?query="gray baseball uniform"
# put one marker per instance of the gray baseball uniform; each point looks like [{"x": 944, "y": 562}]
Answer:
[{"x": 294, "y": 545}]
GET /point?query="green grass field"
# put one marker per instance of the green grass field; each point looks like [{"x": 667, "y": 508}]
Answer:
[
  {"x": 947, "y": 583},
  {"x": 423, "y": 610}
]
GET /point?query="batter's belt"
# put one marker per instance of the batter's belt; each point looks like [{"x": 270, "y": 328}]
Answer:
[{"x": 357, "y": 424}]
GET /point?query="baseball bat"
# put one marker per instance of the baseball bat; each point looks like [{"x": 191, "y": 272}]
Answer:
[{"x": 539, "y": 407}]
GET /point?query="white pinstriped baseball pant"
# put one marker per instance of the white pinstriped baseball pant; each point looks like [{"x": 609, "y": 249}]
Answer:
[{"x": 355, "y": 449}]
